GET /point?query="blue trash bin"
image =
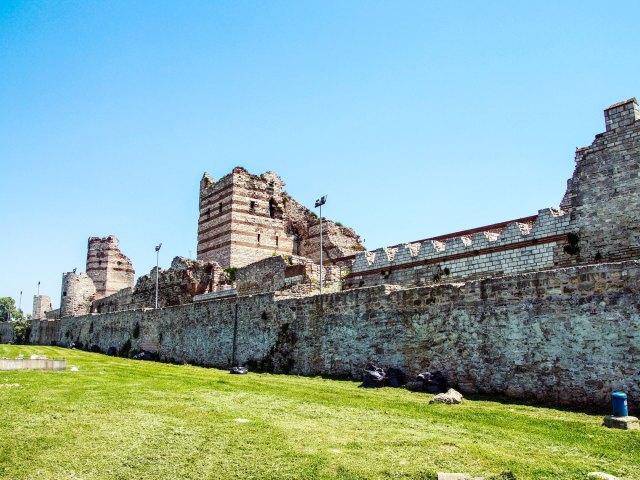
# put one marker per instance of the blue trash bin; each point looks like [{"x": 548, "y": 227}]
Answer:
[{"x": 619, "y": 403}]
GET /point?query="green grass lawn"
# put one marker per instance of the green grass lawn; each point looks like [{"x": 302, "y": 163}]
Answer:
[{"x": 125, "y": 419}]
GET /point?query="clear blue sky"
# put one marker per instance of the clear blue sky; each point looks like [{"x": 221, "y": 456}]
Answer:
[{"x": 416, "y": 118}]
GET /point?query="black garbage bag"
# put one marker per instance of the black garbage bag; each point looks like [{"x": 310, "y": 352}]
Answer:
[
  {"x": 394, "y": 377},
  {"x": 433, "y": 382},
  {"x": 112, "y": 352},
  {"x": 373, "y": 377},
  {"x": 239, "y": 370}
]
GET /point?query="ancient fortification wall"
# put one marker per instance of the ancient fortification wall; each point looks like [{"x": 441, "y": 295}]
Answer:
[
  {"x": 245, "y": 218},
  {"x": 569, "y": 336}
]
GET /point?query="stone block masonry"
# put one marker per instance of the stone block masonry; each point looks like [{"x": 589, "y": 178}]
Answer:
[{"x": 567, "y": 336}]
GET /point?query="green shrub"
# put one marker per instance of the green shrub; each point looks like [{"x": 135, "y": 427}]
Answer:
[{"x": 231, "y": 273}]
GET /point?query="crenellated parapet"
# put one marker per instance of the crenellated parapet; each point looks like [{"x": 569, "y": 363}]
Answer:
[{"x": 491, "y": 249}]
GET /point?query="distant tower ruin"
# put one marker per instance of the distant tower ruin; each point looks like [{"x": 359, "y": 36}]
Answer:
[
  {"x": 245, "y": 218},
  {"x": 107, "y": 266},
  {"x": 41, "y": 305}
]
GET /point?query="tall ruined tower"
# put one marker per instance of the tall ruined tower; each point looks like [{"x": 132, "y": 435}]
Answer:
[
  {"x": 245, "y": 218},
  {"x": 604, "y": 191},
  {"x": 107, "y": 266}
]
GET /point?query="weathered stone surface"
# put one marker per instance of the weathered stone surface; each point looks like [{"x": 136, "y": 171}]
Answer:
[
  {"x": 623, "y": 423},
  {"x": 566, "y": 336},
  {"x": 245, "y": 218},
  {"x": 450, "y": 397}
]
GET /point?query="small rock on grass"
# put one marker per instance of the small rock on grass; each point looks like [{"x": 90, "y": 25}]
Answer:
[
  {"x": 452, "y": 397},
  {"x": 601, "y": 475},
  {"x": 73, "y": 369}
]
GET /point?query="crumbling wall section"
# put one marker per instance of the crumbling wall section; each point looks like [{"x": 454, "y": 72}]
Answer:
[{"x": 604, "y": 192}]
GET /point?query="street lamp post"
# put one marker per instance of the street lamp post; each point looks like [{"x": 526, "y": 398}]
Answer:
[
  {"x": 157, "y": 268},
  {"x": 20, "y": 304},
  {"x": 321, "y": 201}
]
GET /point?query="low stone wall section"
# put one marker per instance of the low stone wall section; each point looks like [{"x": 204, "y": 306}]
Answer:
[
  {"x": 32, "y": 364},
  {"x": 567, "y": 336}
]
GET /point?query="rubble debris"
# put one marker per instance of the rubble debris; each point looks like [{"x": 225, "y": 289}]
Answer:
[
  {"x": 452, "y": 397},
  {"x": 601, "y": 475},
  {"x": 239, "y": 370}
]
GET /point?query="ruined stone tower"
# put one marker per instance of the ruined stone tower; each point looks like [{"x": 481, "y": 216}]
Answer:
[
  {"x": 107, "y": 266},
  {"x": 245, "y": 218},
  {"x": 41, "y": 305}
]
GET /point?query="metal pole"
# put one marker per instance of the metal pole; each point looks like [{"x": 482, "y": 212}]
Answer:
[
  {"x": 235, "y": 337},
  {"x": 20, "y": 304},
  {"x": 321, "y": 249},
  {"x": 157, "y": 263},
  {"x": 38, "y": 288}
]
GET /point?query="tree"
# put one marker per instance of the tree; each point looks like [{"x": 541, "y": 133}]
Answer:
[{"x": 8, "y": 310}]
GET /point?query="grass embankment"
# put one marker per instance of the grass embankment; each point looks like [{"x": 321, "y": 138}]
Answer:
[{"x": 123, "y": 419}]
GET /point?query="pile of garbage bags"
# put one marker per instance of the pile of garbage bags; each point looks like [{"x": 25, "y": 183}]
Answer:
[{"x": 377, "y": 377}]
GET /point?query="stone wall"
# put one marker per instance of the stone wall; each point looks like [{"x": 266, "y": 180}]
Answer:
[
  {"x": 107, "y": 266},
  {"x": 7, "y": 334},
  {"x": 288, "y": 275},
  {"x": 567, "y": 336},
  {"x": 245, "y": 218}
]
